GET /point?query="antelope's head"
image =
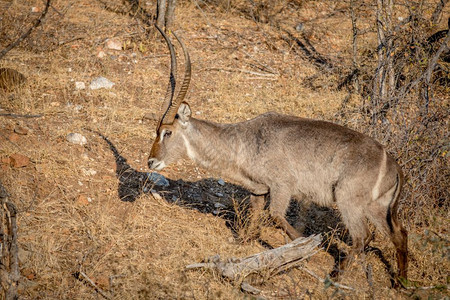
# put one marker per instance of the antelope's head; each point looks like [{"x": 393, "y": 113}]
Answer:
[{"x": 169, "y": 144}]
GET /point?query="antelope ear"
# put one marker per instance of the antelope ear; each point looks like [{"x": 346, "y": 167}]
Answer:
[{"x": 184, "y": 113}]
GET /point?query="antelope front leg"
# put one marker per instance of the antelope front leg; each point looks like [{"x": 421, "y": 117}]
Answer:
[
  {"x": 256, "y": 208},
  {"x": 279, "y": 203}
]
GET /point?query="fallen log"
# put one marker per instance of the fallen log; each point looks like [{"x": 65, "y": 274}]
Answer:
[{"x": 264, "y": 264}]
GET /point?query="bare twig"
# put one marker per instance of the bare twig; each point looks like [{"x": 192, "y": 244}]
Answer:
[
  {"x": 26, "y": 34},
  {"x": 62, "y": 43},
  {"x": 355, "y": 67},
  {"x": 83, "y": 277},
  {"x": 327, "y": 280},
  {"x": 368, "y": 270},
  {"x": 409, "y": 288},
  {"x": 260, "y": 65},
  {"x": 240, "y": 71},
  {"x": 10, "y": 115}
]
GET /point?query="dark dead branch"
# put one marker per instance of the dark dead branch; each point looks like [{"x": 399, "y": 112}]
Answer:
[
  {"x": 81, "y": 276},
  {"x": 327, "y": 281},
  {"x": 438, "y": 11},
  {"x": 309, "y": 51},
  {"x": 353, "y": 76},
  {"x": 27, "y": 33},
  {"x": 10, "y": 115},
  {"x": 241, "y": 71}
]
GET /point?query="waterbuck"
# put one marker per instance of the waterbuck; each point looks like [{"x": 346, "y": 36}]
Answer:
[{"x": 285, "y": 157}]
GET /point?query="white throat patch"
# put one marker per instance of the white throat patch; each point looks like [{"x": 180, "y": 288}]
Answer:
[{"x": 190, "y": 151}]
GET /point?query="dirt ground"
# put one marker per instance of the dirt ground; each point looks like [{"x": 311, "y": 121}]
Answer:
[{"x": 91, "y": 209}]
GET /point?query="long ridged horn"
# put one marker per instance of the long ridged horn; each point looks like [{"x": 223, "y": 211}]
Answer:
[
  {"x": 168, "y": 101},
  {"x": 172, "y": 112}
]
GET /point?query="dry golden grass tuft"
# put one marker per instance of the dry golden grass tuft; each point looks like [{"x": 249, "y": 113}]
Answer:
[{"x": 70, "y": 216}]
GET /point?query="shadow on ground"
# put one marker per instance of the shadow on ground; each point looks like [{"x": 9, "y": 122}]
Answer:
[{"x": 221, "y": 198}]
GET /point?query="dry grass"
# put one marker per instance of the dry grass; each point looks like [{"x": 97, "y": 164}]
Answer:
[{"x": 139, "y": 249}]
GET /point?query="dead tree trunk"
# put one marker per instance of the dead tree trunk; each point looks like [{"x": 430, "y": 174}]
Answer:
[
  {"x": 165, "y": 14},
  {"x": 170, "y": 14},
  {"x": 384, "y": 79},
  {"x": 9, "y": 261},
  {"x": 355, "y": 66}
]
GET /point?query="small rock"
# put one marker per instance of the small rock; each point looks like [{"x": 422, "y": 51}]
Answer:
[
  {"x": 101, "y": 54},
  {"x": 78, "y": 107},
  {"x": 14, "y": 137},
  {"x": 156, "y": 195},
  {"x": 35, "y": 9},
  {"x": 76, "y": 138},
  {"x": 219, "y": 205},
  {"x": 101, "y": 83},
  {"x": 79, "y": 85},
  {"x": 113, "y": 44},
  {"x": 221, "y": 182},
  {"x": 18, "y": 160},
  {"x": 21, "y": 130},
  {"x": 82, "y": 200},
  {"x": 299, "y": 27},
  {"x": 89, "y": 172},
  {"x": 158, "y": 179},
  {"x": 219, "y": 195}
]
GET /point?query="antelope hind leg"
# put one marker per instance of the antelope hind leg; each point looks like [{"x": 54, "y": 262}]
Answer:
[{"x": 355, "y": 221}]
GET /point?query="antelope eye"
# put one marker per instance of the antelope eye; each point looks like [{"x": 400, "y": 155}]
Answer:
[{"x": 167, "y": 133}]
